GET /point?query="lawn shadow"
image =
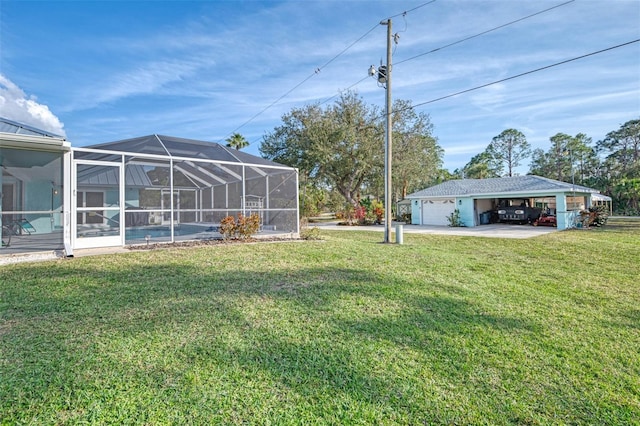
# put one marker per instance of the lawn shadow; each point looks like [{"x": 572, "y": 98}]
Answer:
[
  {"x": 330, "y": 353},
  {"x": 629, "y": 319}
]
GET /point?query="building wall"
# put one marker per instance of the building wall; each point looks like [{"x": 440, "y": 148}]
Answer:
[
  {"x": 38, "y": 196},
  {"x": 416, "y": 212},
  {"x": 467, "y": 212},
  {"x": 470, "y": 208}
]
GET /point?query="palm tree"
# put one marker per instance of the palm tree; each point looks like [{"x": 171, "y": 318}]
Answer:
[{"x": 237, "y": 141}]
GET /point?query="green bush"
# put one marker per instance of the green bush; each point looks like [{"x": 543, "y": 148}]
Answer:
[
  {"x": 307, "y": 232},
  {"x": 454, "y": 219},
  {"x": 310, "y": 233}
]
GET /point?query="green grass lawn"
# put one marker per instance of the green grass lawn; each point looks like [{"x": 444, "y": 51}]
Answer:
[{"x": 440, "y": 330}]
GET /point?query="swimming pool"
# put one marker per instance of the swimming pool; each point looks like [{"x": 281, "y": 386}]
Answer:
[{"x": 164, "y": 232}]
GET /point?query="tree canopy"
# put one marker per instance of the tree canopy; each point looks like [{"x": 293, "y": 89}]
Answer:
[
  {"x": 337, "y": 147},
  {"x": 341, "y": 147},
  {"x": 481, "y": 166},
  {"x": 621, "y": 165},
  {"x": 417, "y": 156},
  {"x": 509, "y": 148},
  {"x": 612, "y": 166},
  {"x": 237, "y": 141},
  {"x": 570, "y": 158}
]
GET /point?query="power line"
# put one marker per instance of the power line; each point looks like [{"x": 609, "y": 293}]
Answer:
[
  {"x": 319, "y": 69},
  {"x": 411, "y": 10},
  {"x": 566, "y": 61},
  {"x": 348, "y": 88},
  {"x": 315, "y": 72},
  {"x": 485, "y": 32},
  {"x": 459, "y": 41},
  {"x": 518, "y": 75}
]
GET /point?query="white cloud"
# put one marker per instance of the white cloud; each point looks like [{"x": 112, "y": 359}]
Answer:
[
  {"x": 16, "y": 106},
  {"x": 145, "y": 79}
]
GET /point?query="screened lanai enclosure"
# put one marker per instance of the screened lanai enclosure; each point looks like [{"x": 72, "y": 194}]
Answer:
[
  {"x": 163, "y": 189},
  {"x": 32, "y": 188},
  {"x": 143, "y": 190}
]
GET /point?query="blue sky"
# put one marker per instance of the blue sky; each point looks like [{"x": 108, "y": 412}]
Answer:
[{"x": 100, "y": 71}]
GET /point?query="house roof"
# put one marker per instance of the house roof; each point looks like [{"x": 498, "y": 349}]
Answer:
[
  {"x": 197, "y": 164},
  {"x": 186, "y": 148},
  {"x": 18, "y": 135},
  {"x": 10, "y": 126},
  {"x": 499, "y": 186},
  {"x": 600, "y": 197}
]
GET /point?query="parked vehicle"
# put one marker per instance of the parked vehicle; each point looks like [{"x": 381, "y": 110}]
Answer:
[
  {"x": 546, "y": 219},
  {"x": 517, "y": 210}
]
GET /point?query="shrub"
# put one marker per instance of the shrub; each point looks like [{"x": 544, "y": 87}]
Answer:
[
  {"x": 360, "y": 214},
  {"x": 377, "y": 208},
  {"x": 227, "y": 228},
  {"x": 369, "y": 212},
  {"x": 348, "y": 215},
  {"x": 454, "y": 219},
  {"x": 594, "y": 216},
  {"x": 310, "y": 233},
  {"x": 247, "y": 226},
  {"x": 307, "y": 232},
  {"x": 244, "y": 227},
  {"x": 406, "y": 218}
]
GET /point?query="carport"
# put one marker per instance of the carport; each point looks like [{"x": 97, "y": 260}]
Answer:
[{"x": 476, "y": 199}]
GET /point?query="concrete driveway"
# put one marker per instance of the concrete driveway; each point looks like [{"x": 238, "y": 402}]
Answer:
[{"x": 498, "y": 230}]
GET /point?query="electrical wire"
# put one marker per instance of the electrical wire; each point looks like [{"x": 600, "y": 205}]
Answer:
[
  {"x": 485, "y": 32},
  {"x": 411, "y": 10},
  {"x": 566, "y": 61},
  {"x": 319, "y": 69},
  {"x": 309, "y": 77},
  {"x": 459, "y": 41},
  {"x": 403, "y": 14},
  {"x": 348, "y": 88},
  {"x": 546, "y": 67},
  {"x": 472, "y": 37}
]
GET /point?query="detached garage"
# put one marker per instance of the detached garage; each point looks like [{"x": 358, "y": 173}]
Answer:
[
  {"x": 435, "y": 211},
  {"x": 476, "y": 198}
]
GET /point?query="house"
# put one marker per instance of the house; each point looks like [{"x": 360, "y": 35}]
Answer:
[
  {"x": 154, "y": 188},
  {"x": 475, "y": 198}
]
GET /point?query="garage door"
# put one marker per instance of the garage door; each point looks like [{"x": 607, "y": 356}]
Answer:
[{"x": 436, "y": 211}]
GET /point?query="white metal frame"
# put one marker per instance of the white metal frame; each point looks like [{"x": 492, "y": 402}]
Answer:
[{"x": 90, "y": 241}]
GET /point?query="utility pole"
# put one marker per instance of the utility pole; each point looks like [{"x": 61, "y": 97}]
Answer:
[
  {"x": 384, "y": 78},
  {"x": 388, "y": 144}
]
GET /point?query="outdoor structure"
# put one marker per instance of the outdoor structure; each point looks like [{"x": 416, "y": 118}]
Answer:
[
  {"x": 33, "y": 165},
  {"x": 602, "y": 200},
  {"x": 136, "y": 191},
  {"x": 475, "y": 199}
]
